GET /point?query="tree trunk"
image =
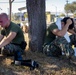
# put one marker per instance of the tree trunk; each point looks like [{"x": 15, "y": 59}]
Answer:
[{"x": 37, "y": 23}]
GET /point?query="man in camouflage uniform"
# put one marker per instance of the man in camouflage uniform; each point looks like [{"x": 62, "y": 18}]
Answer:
[
  {"x": 11, "y": 38},
  {"x": 55, "y": 43}
]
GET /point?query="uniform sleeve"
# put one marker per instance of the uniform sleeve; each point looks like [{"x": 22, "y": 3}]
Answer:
[
  {"x": 14, "y": 29},
  {"x": 52, "y": 27}
]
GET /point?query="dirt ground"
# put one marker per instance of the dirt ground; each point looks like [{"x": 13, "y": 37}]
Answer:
[{"x": 47, "y": 65}]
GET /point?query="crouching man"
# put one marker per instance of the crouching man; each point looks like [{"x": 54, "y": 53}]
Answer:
[
  {"x": 12, "y": 42},
  {"x": 11, "y": 37},
  {"x": 57, "y": 41}
]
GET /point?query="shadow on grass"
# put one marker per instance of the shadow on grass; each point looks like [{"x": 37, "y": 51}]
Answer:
[
  {"x": 52, "y": 65},
  {"x": 47, "y": 65},
  {"x": 5, "y": 66}
]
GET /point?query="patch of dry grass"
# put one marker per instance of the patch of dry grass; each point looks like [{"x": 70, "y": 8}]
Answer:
[{"x": 48, "y": 65}]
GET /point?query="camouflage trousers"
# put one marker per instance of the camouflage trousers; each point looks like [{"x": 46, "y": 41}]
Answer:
[
  {"x": 60, "y": 46},
  {"x": 10, "y": 49}
]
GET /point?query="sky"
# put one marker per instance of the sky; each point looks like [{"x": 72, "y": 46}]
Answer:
[
  {"x": 56, "y": 5},
  {"x": 51, "y": 5}
]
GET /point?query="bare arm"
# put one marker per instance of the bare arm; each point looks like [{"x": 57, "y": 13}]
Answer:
[
  {"x": 71, "y": 31},
  {"x": 1, "y": 37},
  {"x": 62, "y": 32},
  {"x": 8, "y": 39}
]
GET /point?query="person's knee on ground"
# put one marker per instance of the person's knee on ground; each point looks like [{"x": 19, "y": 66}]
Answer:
[
  {"x": 52, "y": 50},
  {"x": 7, "y": 52}
]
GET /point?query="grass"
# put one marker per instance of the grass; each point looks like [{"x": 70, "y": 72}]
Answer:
[{"x": 48, "y": 65}]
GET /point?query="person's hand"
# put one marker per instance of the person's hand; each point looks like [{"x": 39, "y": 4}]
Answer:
[{"x": 69, "y": 22}]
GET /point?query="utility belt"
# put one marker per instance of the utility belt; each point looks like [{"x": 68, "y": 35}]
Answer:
[{"x": 22, "y": 45}]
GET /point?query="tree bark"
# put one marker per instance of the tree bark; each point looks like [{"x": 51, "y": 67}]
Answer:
[{"x": 37, "y": 23}]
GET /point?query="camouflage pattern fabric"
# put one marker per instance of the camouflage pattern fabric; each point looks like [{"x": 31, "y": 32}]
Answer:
[
  {"x": 73, "y": 40},
  {"x": 59, "y": 46},
  {"x": 10, "y": 49}
]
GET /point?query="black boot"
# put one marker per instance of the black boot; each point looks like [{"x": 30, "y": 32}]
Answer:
[{"x": 30, "y": 63}]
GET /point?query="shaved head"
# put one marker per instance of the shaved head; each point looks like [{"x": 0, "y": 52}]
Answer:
[
  {"x": 4, "y": 15},
  {"x": 4, "y": 20}
]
